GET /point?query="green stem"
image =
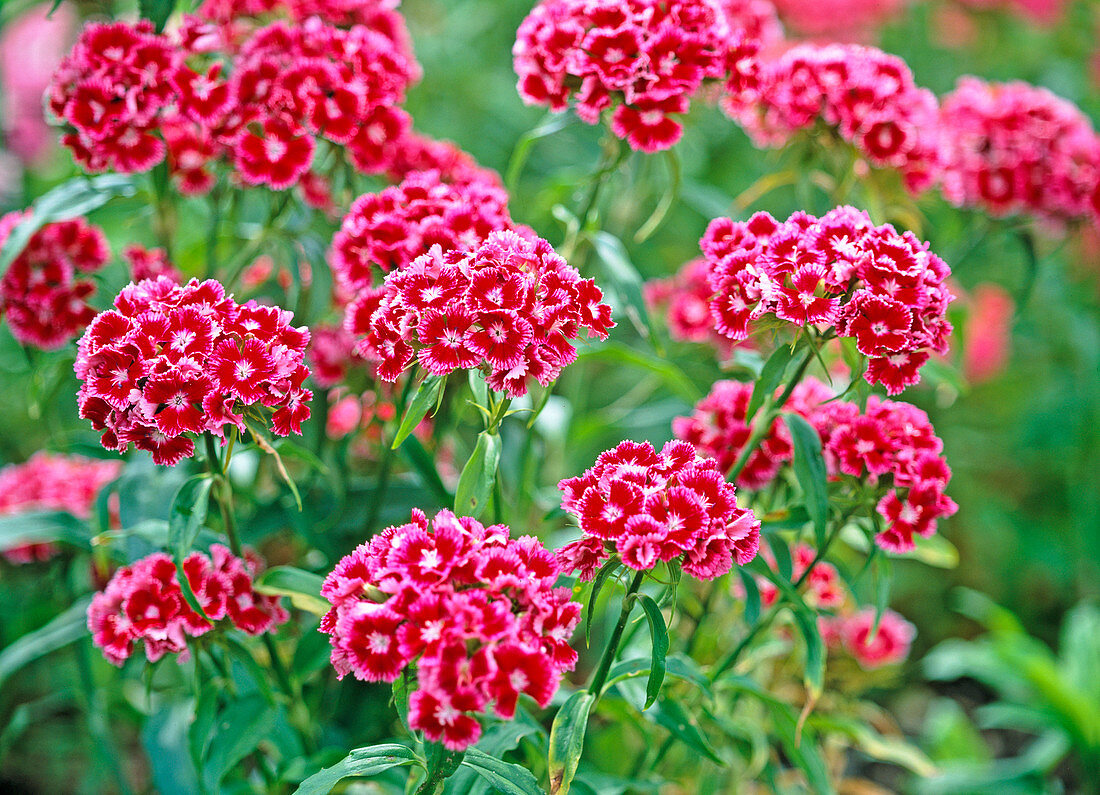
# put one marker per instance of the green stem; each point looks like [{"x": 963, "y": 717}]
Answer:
[
  {"x": 612, "y": 650},
  {"x": 223, "y": 495}
]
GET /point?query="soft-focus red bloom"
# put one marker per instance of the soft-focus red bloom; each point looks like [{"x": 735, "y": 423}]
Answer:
[
  {"x": 988, "y": 332},
  {"x": 872, "y": 283},
  {"x": 415, "y": 152},
  {"x": 888, "y": 646},
  {"x": 170, "y": 360},
  {"x": 1014, "y": 148},
  {"x": 388, "y": 230},
  {"x": 651, "y": 507},
  {"x": 474, "y": 609},
  {"x": 646, "y": 58},
  {"x": 49, "y": 482},
  {"x": 41, "y": 295},
  {"x": 823, "y": 589},
  {"x": 150, "y": 263},
  {"x": 144, "y": 602},
  {"x": 838, "y": 20},
  {"x": 510, "y": 302},
  {"x": 685, "y": 299},
  {"x": 867, "y": 96}
]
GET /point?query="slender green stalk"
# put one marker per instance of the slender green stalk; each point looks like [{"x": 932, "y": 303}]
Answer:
[{"x": 599, "y": 679}]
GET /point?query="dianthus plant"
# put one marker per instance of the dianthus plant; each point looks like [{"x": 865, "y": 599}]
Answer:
[{"x": 360, "y": 460}]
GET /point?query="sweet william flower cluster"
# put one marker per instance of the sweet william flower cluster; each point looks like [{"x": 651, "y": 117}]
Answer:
[
  {"x": 475, "y": 610},
  {"x": 511, "y": 306},
  {"x": 644, "y": 58},
  {"x": 170, "y": 360},
  {"x": 882, "y": 287},
  {"x": 42, "y": 294},
  {"x": 649, "y": 507},
  {"x": 144, "y": 603}
]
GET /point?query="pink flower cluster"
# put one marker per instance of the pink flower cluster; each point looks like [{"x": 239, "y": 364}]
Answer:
[
  {"x": 866, "y": 95},
  {"x": 718, "y": 429},
  {"x": 646, "y": 57},
  {"x": 684, "y": 298},
  {"x": 144, "y": 602},
  {"x": 883, "y": 288},
  {"x": 386, "y": 231},
  {"x": 824, "y": 590},
  {"x": 150, "y": 263},
  {"x": 476, "y": 611},
  {"x": 647, "y": 507},
  {"x": 379, "y": 15},
  {"x": 172, "y": 360},
  {"x": 852, "y": 633},
  {"x": 49, "y": 482},
  {"x": 130, "y": 96},
  {"x": 1014, "y": 148},
  {"x": 511, "y": 305},
  {"x": 891, "y": 443},
  {"x": 44, "y": 300},
  {"x": 838, "y": 20},
  {"x": 415, "y": 152}
]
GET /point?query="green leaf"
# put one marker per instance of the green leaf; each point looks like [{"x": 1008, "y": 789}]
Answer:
[
  {"x": 479, "y": 388},
  {"x": 815, "y": 651},
  {"x": 672, "y": 715},
  {"x": 782, "y": 553},
  {"x": 551, "y": 124},
  {"x": 676, "y": 666},
  {"x": 420, "y": 460},
  {"x": 809, "y": 469},
  {"x": 429, "y": 391},
  {"x": 597, "y": 585},
  {"x": 237, "y": 732},
  {"x": 303, "y": 588},
  {"x": 623, "y": 278},
  {"x": 567, "y": 740},
  {"x": 659, "y": 634},
  {"x": 360, "y": 762},
  {"x": 882, "y": 592},
  {"x": 771, "y": 376},
  {"x": 156, "y": 11},
  {"x": 39, "y": 527},
  {"x": 77, "y": 197},
  {"x": 671, "y": 376},
  {"x": 504, "y": 776},
  {"x": 935, "y": 551},
  {"x": 69, "y": 626},
  {"x": 752, "y": 597},
  {"x": 475, "y": 484},
  {"x": 188, "y": 513}
]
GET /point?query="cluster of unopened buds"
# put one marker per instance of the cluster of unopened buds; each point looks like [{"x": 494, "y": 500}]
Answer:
[
  {"x": 474, "y": 610},
  {"x": 386, "y": 231},
  {"x": 170, "y": 360},
  {"x": 130, "y": 97},
  {"x": 872, "y": 283},
  {"x": 42, "y": 294},
  {"x": 645, "y": 58},
  {"x": 51, "y": 482},
  {"x": 144, "y": 602},
  {"x": 890, "y": 445},
  {"x": 648, "y": 507},
  {"x": 511, "y": 306},
  {"x": 867, "y": 96}
]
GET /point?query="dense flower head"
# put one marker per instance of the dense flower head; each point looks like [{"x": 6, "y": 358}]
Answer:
[
  {"x": 41, "y": 294},
  {"x": 879, "y": 286},
  {"x": 415, "y": 152},
  {"x": 386, "y": 231},
  {"x": 144, "y": 602},
  {"x": 510, "y": 305},
  {"x": 149, "y": 263},
  {"x": 649, "y": 507},
  {"x": 867, "y": 96},
  {"x": 51, "y": 482},
  {"x": 890, "y": 444},
  {"x": 646, "y": 58},
  {"x": 130, "y": 97},
  {"x": 1015, "y": 148},
  {"x": 170, "y": 360},
  {"x": 838, "y": 20},
  {"x": 475, "y": 610}
]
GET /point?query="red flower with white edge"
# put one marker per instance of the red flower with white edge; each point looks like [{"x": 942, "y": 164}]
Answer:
[
  {"x": 243, "y": 369},
  {"x": 646, "y": 124},
  {"x": 276, "y": 156},
  {"x": 171, "y": 401}
]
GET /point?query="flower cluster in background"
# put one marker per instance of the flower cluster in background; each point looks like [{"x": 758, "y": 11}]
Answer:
[
  {"x": 866, "y": 96},
  {"x": 130, "y": 96},
  {"x": 649, "y": 507},
  {"x": 51, "y": 482},
  {"x": 1013, "y": 148},
  {"x": 883, "y": 288},
  {"x": 386, "y": 231},
  {"x": 144, "y": 602},
  {"x": 511, "y": 305},
  {"x": 173, "y": 360},
  {"x": 474, "y": 609},
  {"x": 41, "y": 294},
  {"x": 684, "y": 299},
  {"x": 838, "y": 20},
  {"x": 890, "y": 445},
  {"x": 645, "y": 59}
]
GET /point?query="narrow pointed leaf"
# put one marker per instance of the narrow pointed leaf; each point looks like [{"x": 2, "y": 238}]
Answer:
[
  {"x": 809, "y": 469},
  {"x": 623, "y": 278},
  {"x": 672, "y": 715},
  {"x": 597, "y": 585},
  {"x": 475, "y": 484},
  {"x": 360, "y": 762},
  {"x": 59, "y": 632},
  {"x": 302, "y": 587},
  {"x": 505, "y": 777},
  {"x": 427, "y": 394},
  {"x": 659, "y": 635},
  {"x": 567, "y": 740},
  {"x": 771, "y": 376}
]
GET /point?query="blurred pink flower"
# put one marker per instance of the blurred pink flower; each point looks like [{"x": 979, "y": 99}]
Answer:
[{"x": 986, "y": 349}]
